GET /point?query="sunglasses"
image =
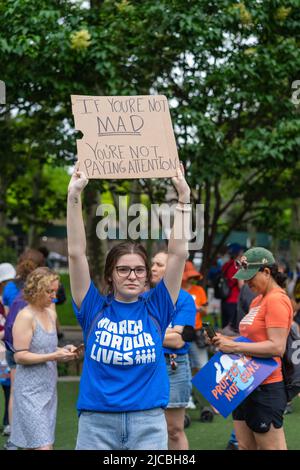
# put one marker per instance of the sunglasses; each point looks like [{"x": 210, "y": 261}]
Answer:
[{"x": 245, "y": 265}]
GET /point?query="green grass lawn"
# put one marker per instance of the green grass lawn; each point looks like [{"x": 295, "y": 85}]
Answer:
[
  {"x": 215, "y": 435},
  {"x": 201, "y": 436}
]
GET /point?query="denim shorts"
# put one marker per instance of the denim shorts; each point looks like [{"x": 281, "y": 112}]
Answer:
[
  {"x": 133, "y": 430},
  {"x": 10, "y": 359},
  {"x": 180, "y": 381}
]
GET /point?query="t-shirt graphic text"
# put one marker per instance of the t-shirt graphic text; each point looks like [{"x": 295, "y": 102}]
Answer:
[{"x": 122, "y": 343}]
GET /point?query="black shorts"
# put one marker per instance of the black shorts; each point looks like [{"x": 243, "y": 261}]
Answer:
[{"x": 263, "y": 407}]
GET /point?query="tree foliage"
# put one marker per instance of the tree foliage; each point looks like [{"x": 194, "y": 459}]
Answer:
[{"x": 226, "y": 66}]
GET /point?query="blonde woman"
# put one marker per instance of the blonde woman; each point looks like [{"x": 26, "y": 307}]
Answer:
[{"x": 36, "y": 354}]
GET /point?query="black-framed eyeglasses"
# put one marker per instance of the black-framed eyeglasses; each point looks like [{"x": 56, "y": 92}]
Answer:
[{"x": 125, "y": 271}]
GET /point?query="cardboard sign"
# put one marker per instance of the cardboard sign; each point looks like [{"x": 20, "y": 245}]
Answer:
[
  {"x": 125, "y": 136},
  {"x": 227, "y": 379}
]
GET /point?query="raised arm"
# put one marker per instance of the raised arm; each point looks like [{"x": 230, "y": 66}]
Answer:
[
  {"x": 179, "y": 238},
  {"x": 78, "y": 265}
]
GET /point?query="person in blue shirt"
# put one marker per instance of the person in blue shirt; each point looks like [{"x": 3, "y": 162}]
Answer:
[
  {"x": 7, "y": 285},
  {"x": 29, "y": 260},
  {"x": 177, "y": 358},
  {"x": 124, "y": 385},
  {"x": 13, "y": 287}
]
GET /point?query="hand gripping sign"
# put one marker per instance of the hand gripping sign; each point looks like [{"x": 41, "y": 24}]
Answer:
[
  {"x": 227, "y": 379},
  {"x": 125, "y": 137}
]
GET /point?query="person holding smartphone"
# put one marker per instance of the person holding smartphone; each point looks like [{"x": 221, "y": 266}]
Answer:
[
  {"x": 124, "y": 385},
  {"x": 258, "y": 421},
  {"x": 36, "y": 354}
]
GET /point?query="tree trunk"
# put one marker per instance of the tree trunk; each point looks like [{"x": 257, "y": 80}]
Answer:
[
  {"x": 275, "y": 246},
  {"x": 295, "y": 226},
  {"x": 33, "y": 235},
  {"x": 251, "y": 235},
  {"x": 210, "y": 228},
  {"x": 3, "y": 222}
]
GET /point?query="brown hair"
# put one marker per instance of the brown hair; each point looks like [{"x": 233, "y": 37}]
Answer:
[
  {"x": 28, "y": 261},
  {"x": 24, "y": 268},
  {"x": 115, "y": 254},
  {"x": 38, "y": 282},
  {"x": 33, "y": 255}
]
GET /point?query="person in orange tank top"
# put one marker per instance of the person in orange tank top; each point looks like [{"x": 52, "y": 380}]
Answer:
[{"x": 258, "y": 421}]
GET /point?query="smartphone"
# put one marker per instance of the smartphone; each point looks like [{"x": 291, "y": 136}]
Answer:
[
  {"x": 209, "y": 330},
  {"x": 79, "y": 349}
]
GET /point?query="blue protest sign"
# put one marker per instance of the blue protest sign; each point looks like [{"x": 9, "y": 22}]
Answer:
[{"x": 227, "y": 379}]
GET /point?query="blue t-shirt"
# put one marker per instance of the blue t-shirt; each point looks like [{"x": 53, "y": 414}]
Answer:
[
  {"x": 185, "y": 312},
  {"x": 10, "y": 292},
  {"x": 124, "y": 367},
  {"x": 18, "y": 304}
]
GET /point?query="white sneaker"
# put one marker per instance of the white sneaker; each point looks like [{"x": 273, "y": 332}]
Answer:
[
  {"x": 191, "y": 405},
  {"x": 6, "y": 430}
]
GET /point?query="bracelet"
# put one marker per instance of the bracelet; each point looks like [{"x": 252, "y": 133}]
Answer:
[
  {"x": 183, "y": 208},
  {"x": 181, "y": 202}
]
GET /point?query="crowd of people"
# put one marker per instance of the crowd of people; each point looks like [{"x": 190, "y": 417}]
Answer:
[{"x": 138, "y": 363}]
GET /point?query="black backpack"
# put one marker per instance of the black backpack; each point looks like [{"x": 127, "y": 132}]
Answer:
[
  {"x": 221, "y": 287},
  {"x": 291, "y": 363}
]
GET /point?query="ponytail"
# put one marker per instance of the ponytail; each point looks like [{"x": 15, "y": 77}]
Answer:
[{"x": 279, "y": 278}]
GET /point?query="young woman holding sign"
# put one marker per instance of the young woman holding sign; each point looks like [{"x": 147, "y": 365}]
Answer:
[
  {"x": 258, "y": 421},
  {"x": 124, "y": 383}
]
